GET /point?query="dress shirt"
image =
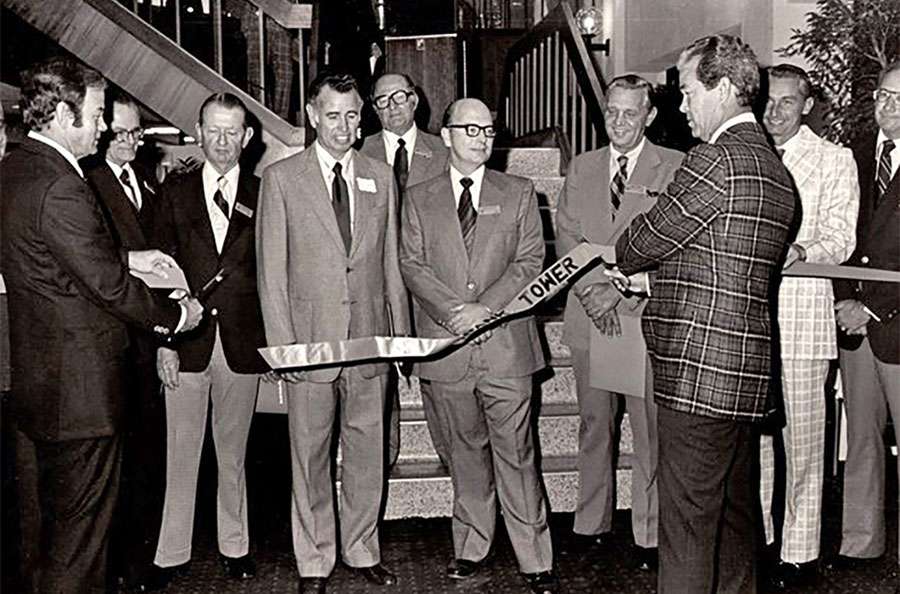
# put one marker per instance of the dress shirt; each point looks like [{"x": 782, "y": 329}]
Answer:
[
  {"x": 632, "y": 155},
  {"x": 217, "y": 218},
  {"x": 895, "y": 153},
  {"x": 745, "y": 117},
  {"x": 390, "y": 144},
  {"x": 133, "y": 190},
  {"x": 68, "y": 156},
  {"x": 476, "y": 176},
  {"x": 326, "y": 163}
]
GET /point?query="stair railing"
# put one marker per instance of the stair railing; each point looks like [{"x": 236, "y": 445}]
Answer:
[{"x": 551, "y": 81}]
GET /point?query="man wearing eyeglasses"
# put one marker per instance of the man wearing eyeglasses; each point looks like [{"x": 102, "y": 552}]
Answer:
[
  {"x": 867, "y": 315},
  {"x": 415, "y": 156},
  {"x": 470, "y": 241}
]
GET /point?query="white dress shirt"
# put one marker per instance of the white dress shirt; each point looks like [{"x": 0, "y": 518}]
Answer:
[
  {"x": 133, "y": 189},
  {"x": 326, "y": 163},
  {"x": 745, "y": 117},
  {"x": 68, "y": 156},
  {"x": 895, "y": 153},
  {"x": 632, "y": 155},
  {"x": 390, "y": 144},
  {"x": 476, "y": 176}
]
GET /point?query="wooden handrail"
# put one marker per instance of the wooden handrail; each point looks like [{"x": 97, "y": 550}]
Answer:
[
  {"x": 551, "y": 81},
  {"x": 286, "y": 14}
]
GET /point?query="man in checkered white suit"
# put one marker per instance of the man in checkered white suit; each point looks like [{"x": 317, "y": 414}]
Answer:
[
  {"x": 717, "y": 237},
  {"x": 826, "y": 181}
]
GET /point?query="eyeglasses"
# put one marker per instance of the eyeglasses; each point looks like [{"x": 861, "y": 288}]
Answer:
[
  {"x": 472, "y": 130},
  {"x": 122, "y": 135},
  {"x": 884, "y": 96},
  {"x": 399, "y": 97}
]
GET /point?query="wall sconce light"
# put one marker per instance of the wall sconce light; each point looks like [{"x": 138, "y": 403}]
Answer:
[{"x": 589, "y": 20}]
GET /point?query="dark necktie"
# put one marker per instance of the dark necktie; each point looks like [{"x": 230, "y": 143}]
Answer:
[
  {"x": 129, "y": 191},
  {"x": 883, "y": 177},
  {"x": 617, "y": 187},
  {"x": 401, "y": 165},
  {"x": 780, "y": 152},
  {"x": 219, "y": 198},
  {"x": 340, "y": 200},
  {"x": 466, "y": 213}
]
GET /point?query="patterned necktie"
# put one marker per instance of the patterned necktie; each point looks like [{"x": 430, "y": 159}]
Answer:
[
  {"x": 129, "y": 191},
  {"x": 401, "y": 165},
  {"x": 617, "y": 187},
  {"x": 466, "y": 213},
  {"x": 340, "y": 200},
  {"x": 219, "y": 197},
  {"x": 883, "y": 177}
]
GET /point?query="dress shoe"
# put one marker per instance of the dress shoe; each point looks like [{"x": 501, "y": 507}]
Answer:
[
  {"x": 312, "y": 585},
  {"x": 543, "y": 582},
  {"x": 158, "y": 577},
  {"x": 839, "y": 563},
  {"x": 646, "y": 558},
  {"x": 602, "y": 540},
  {"x": 794, "y": 575},
  {"x": 377, "y": 574},
  {"x": 463, "y": 569},
  {"x": 239, "y": 568}
]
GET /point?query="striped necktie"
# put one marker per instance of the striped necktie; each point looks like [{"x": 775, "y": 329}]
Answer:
[
  {"x": 466, "y": 213},
  {"x": 617, "y": 187},
  {"x": 219, "y": 197},
  {"x": 883, "y": 177}
]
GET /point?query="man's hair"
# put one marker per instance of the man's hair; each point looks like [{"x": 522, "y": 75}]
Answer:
[
  {"x": 56, "y": 80},
  {"x": 892, "y": 67},
  {"x": 116, "y": 96},
  {"x": 794, "y": 72},
  {"x": 338, "y": 82},
  {"x": 448, "y": 113},
  {"x": 406, "y": 79},
  {"x": 226, "y": 100},
  {"x": 633, "y": 82},
  {"x": 722, "y": 56}
]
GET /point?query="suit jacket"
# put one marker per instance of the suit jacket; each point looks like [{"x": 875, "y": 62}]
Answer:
[
  {"x": 827, "y": 183},
  {"x": 429, "y": 158},
  {"x": 184, "y": 231},
  {"x": 876, "y": 247},
  {"x": 70, "y": 295},
  {"x": 311, "y": 289},
  {"x": 508, "y": 252},
  {"x": 585, "y": 214},
  {"x": 717, "y": 235}
]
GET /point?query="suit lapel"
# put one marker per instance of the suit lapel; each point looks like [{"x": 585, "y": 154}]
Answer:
[
  {"x": 491, "y": 200},
  {"x": 195, "y": 208},
  {"x": 125, "y": 216},
  {"x": 420, "y": 162},
  {"x": 362, "y": 218},
  {"x": 311, "y": 182},
  {"x": 635, "y": 188},
  {"x": 444, "y": 206},
  {"x": 598, "y": 206},
  {"x": 241, "y": 214},
  {"x": 888, "y": 203}
]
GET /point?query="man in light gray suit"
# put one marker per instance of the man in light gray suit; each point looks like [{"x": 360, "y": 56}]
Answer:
[
  {"x": 604, "y": 190},
  {"x": 328, "y": 270}
]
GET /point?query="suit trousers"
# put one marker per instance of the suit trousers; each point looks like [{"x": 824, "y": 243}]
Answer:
[
  {"x": 233, "y": 397},
  {"x": 599, "y": 410},
  {"x": 803, "y": 386},
  {"x": 359, "y": 401},
  {"x": 708, "y": 497},
  {"x": 871, "y": 394},
  {"x": 78, "y": 484},
  {"x": 488, "y": 424},
  {"x": 437, "y": 434}
]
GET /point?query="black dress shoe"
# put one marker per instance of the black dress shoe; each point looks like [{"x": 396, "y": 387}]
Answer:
[
  {"x": 462, "y": 569},
  {"x": 377, "y": 574},
  {"x": 158, "y": 577},
  {"x": 794, "y": 575},
  {"x": 646, "y": 559},
  {"x": 239, "y": 568},
  {"x": 543, "y": 582},
  {"x": 838, "y": 563},
  {"x": 312, "y": 585}
]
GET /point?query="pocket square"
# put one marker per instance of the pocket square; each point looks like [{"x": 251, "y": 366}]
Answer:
[{"x": 366, "y": 185}]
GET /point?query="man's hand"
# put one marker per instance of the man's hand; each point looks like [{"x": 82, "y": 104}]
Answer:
[
  {"x": 598, "y": 299},
  {"x": 796, "y": 253},
  {"x": 167, "y": 365},
  {"x": 151, "y": 262},
  {"x": 292, "y": 377},
  {"x": 619, "y": 280},
  {"x": 269, "y": 377},
  {"x": 194, "y": 313},
  {"x": 466, "y": 317},
  {"x": 852, "y": 316},
  {"x": 608, "y": 324}
]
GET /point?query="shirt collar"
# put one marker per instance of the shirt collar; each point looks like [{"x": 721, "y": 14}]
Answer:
[
  {"x": 66, "y": 154},
  {"x": 409, "y": 137},
  {"x": 211, "y": 180},
  {"x": 745, "y": 117},
  {"x": 632, "y": 155},
  {"x": 476, "y": 177},
  {"x": 327, "y": 161},
  {"x": 880, "y": 142},
  {"x": 118, "y": 169},
  {"x": 791, "y": 144}
]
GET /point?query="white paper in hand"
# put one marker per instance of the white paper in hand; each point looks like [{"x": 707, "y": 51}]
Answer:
[{"x": 176, "y": 279}]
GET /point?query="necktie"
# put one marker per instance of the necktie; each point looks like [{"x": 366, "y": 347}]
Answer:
[
  {"x": 466, "y": 213},
  {"x": 340, "y": 200},
  {"x": 883, "y": 177},
  {"x": 401, "y": 165},
  {"x": 219, "y": 197},
  {"x": 129, "y": 191},
  {"x": 617, "y": 187},
  {"x": 780, "y": 152}
]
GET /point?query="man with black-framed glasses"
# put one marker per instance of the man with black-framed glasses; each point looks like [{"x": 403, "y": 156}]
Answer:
[{"x": 471, "y": 239}]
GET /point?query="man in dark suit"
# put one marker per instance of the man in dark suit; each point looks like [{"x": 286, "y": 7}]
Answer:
[
  {"x": 128, "y": 194},
  {"x": 206, "y": 222},
  {"x": 717, "y": 238},
  {"x": 471, "y": 240},
  {"x": 604, "y": 190},
  {"x": 70, "y": 296},
  {"x": 415, "y": 156},
  {"x": 332, "y": 214},
  {"x": 867, "y": 314}
]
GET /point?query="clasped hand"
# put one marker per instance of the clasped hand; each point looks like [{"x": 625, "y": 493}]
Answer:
[
  {"x": 852, "y": 316},
  {"x": 468, "y": 316},
  {"x": 599, "y": 301}
]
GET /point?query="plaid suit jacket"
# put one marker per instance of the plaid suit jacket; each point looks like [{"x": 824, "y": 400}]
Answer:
[{"x": 717, "y": 235}]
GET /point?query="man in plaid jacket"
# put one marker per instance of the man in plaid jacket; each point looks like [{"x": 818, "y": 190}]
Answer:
[{"x": 717, "y": 238}]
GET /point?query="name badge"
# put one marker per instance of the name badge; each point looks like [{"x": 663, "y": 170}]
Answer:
[
  {"x": 366, "y": 185},
  {"x": 247, "y": 212},
  {"x": 490, "y": 209}
]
